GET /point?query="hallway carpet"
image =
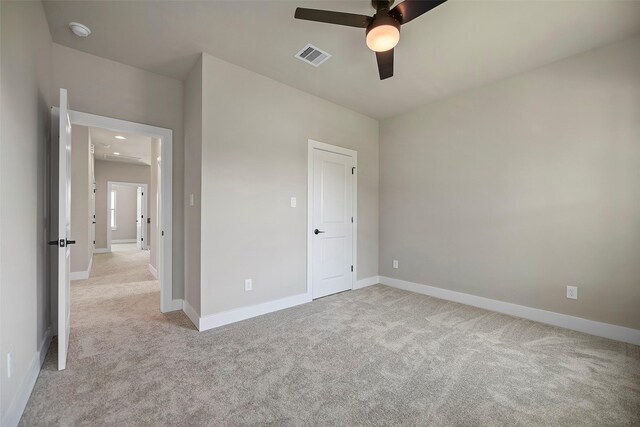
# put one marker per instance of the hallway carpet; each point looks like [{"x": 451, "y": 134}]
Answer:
[{"x": 375, "y": 356}]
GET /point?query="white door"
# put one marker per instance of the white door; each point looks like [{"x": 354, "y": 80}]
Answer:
[
  {"x": 139, "y": 219},
  {"x": 93, "y": 216},
  {"x": 61, "y": 225},
  {"x": 332, "y": 226}
]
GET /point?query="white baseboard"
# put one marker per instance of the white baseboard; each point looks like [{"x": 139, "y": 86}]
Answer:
[
  {"x": 81, "y": 275},
  {"x": 215, "y": 320},
  {"x": 191, "y": 313},
  {"x": 369, "y": 281},
  {"x": 177, "y": 304},
  {"x": 124, "y": 241},
  {"x": 100, "y": 250},
  {"x": 153, "y": 271},
  {"x": 20, "y": 399},
  {"x": 606, "y": 330}
]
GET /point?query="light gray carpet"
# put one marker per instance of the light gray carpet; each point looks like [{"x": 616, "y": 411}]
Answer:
[{"x": 375, "y": 356}]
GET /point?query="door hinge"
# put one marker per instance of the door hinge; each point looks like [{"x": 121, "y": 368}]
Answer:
[
  {"x": 351, "y": 220},
  {"x": 163, "y": 232},
  {"x": 353, "y": 170},
  {"x": 352, "y": 268},
  {"x": 141, "y": 239}
]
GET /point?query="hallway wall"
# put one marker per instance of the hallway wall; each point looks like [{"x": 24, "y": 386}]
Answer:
[
  {"x": 25, "y": 100},
  {"x": 81, "y": 183}
]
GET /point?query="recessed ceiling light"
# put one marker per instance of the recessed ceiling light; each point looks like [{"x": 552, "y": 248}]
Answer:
[
  {"x": 79, "y": 30},
  {"x": 120, "y": 137},
  {"x": 115, "y": 153}
]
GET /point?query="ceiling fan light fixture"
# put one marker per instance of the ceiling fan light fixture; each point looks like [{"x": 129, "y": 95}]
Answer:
[{"x": 383, "y": 34}]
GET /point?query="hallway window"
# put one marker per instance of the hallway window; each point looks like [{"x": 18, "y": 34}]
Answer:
[{"x": 114, "y": 226}]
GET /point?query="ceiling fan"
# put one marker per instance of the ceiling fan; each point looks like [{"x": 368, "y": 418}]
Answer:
[{"x": 383, "y": 28}]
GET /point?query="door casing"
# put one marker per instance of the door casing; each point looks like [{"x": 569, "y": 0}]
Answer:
[{"x": 165, "y": 232}]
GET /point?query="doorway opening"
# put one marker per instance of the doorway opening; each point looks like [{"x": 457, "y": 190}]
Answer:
[
  {"x": 148, "y": 225},
  {"x": 127, "y": 219}
]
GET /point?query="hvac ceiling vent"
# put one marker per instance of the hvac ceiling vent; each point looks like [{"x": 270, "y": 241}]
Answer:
[{"x": 312, "y": 55}]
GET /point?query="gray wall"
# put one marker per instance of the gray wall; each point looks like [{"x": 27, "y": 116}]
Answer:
[
  {"x": 126, "y": 213},
  {"x": 108, "y": 88},
  {"x": 517, "y": 189},
  {"x": 25, "y": 89},
  {"x": 192, "y": 183},
  {"x": 254, "y": 158},
  {"x": 81, "y": 189},
  {"x": 118, "y": 172}
]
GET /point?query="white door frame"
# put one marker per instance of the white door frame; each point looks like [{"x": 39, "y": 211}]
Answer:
[
  {"x": 165, "y": 239},
  {"x": 110, "y": 185},
  {"x": 316, "y": 145}
]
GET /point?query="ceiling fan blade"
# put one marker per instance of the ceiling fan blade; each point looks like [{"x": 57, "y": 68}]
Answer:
[
  {"x": 331, "y": 17},
  {"x": 411, "y": 9},
  {"x": 385, "y": 64}
]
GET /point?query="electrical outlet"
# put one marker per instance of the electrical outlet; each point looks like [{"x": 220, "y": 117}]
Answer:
[
  {"x": 395, "y": 263},
  {"x": 294, "y": 202},
  {"x": 9, "y": 364},
  {"x": 572, "y": 292},
  {"x": 248, "y": 284}
]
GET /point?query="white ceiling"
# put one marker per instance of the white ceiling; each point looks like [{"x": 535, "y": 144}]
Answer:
[
  {"x": 134, "y": 149},
  {"x": 457, "y": 46}
]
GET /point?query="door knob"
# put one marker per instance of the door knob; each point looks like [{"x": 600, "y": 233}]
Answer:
[
  {"x": 62, "y": 242},
  {"x": 316, "y": 231}
]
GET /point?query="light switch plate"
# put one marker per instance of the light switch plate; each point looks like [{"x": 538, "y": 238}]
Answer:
[
  {"x": 294, "y": 202},
  {"x": 248, "y": 284},
  {"x": 192, "y": 199}
]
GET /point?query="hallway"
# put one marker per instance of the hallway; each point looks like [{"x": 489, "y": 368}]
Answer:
[{"x": 116, "y": 324}]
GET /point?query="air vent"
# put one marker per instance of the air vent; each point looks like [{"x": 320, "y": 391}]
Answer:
[{"x": 312, "y": 55}]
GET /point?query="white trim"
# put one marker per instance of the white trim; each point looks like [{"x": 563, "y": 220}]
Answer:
[
  {"x": 153, "y": 271},
  {"x": 78, "y": 275},
  {"x": 101, "y": 250},
  {"x": 191, "y": 313},
  {"x": 316, "y": 145},
  {"x": 177, "y": 304},
  {"x": 215, "y": 320},
  {"x": 81, "y": 275},
  {"x": 16, "y": 406},
  {"x": 123, "y": 241},
  {"x": 165, "y": 242},
  {"x": 369, "y": 281},
  {"x": 606, "y": 330}
]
